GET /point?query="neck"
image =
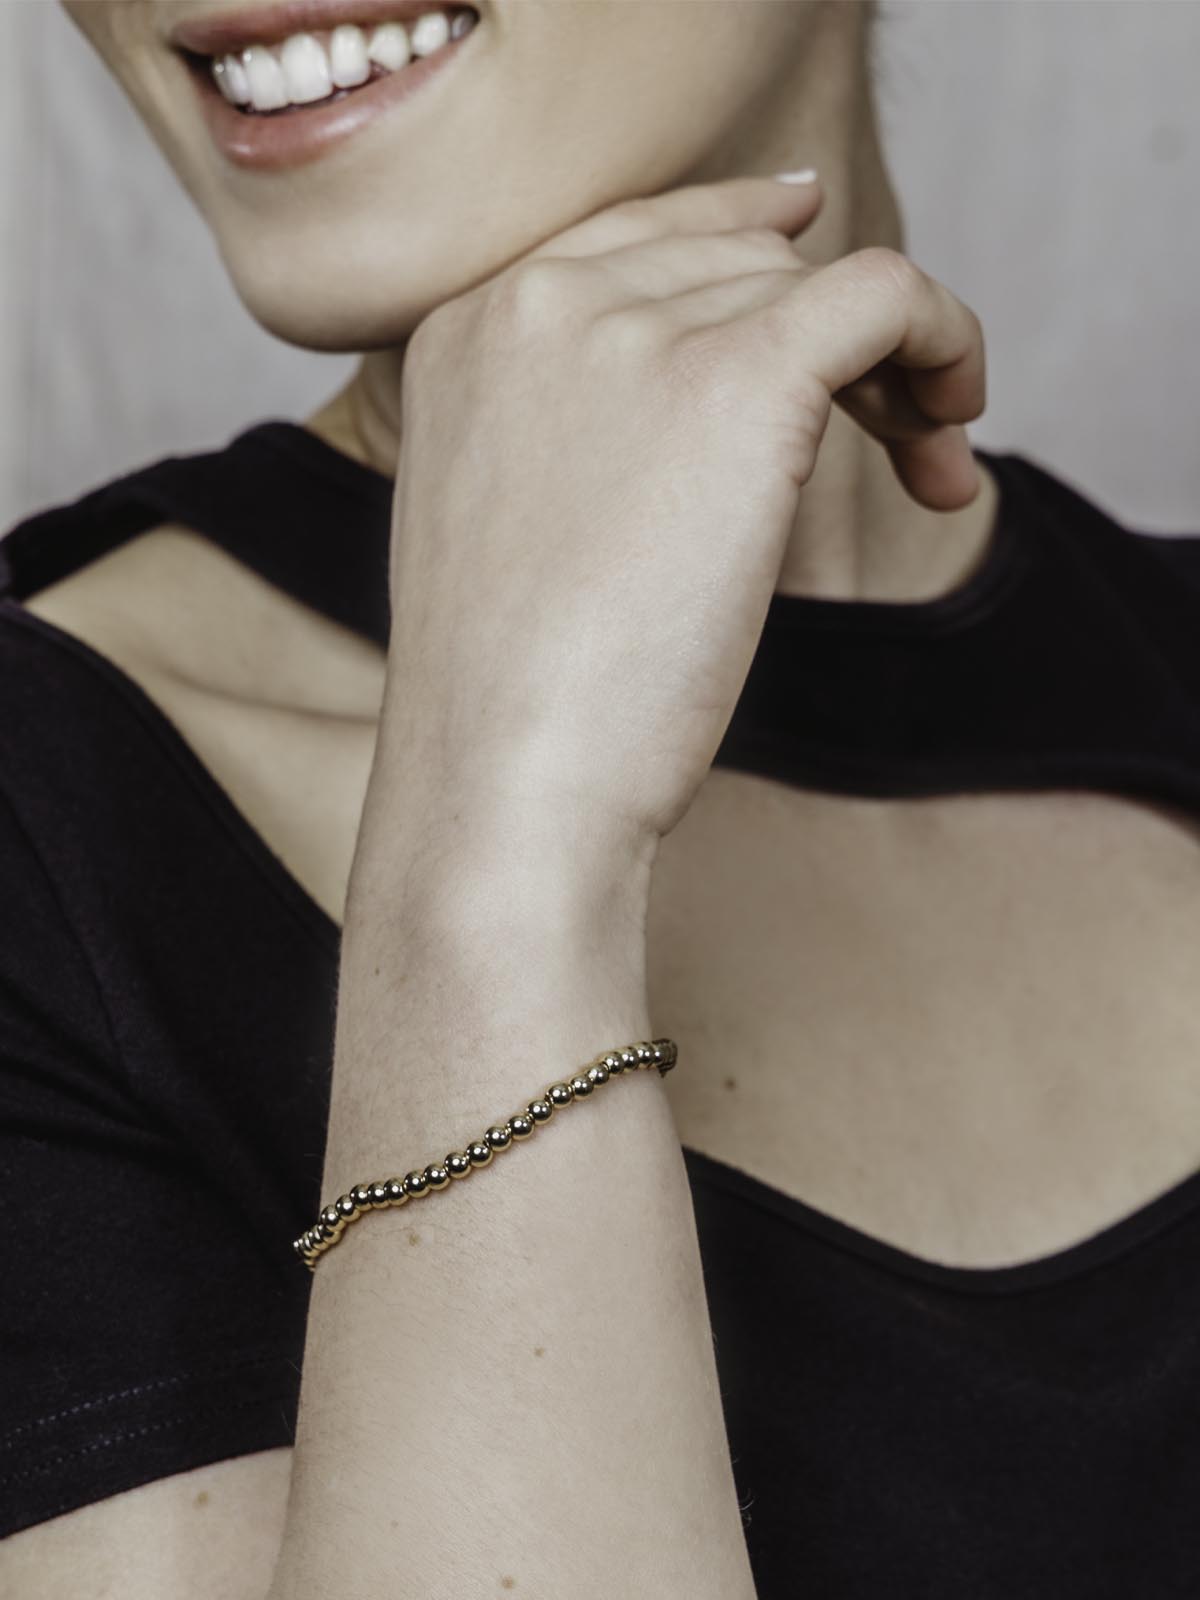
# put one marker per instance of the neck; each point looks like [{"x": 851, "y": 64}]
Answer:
[{"x": 857, "y": 533}]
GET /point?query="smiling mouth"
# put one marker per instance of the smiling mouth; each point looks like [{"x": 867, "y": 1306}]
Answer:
[{"x": 320, "y": 67}]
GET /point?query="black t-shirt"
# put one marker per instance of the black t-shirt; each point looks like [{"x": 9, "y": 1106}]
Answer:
[{"x": 898, "y": 1428}]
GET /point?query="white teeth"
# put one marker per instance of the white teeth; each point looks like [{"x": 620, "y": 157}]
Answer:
[
  {"x": 305, "y": 69},
  {"x": 231, "y": 80},
  {"x": 348, "y": 62},
  {"x": 430, "y": 32},
  {"x": 389, "y": 46},
  {"x": 268, "y": 91}
]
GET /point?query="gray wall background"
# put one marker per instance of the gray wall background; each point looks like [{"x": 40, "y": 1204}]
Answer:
[{"x": 1047, "y": 157}]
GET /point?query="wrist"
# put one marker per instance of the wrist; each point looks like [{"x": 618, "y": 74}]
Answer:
[
  {"x": 499, "y": 873},
  {"x": 491, "y": 794},
  {"x": 485, "y": 936},
  {"x": 441, "y": 821}
]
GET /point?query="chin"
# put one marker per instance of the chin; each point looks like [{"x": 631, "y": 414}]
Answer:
[
  {"x": 336, "y": 294},
  {"x": 330, "y": 317}
]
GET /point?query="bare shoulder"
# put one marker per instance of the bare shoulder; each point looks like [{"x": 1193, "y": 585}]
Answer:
[
  {"x": 179, "y": 613},
  {"x": 142, "y": 604},
  {"x": 209, "y": 1534}
]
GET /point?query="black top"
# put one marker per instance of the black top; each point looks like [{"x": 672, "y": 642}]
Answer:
[{"x": 898, "y": 1428}]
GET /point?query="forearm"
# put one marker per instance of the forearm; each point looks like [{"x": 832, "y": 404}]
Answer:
[{"x": 510, "y": 1383}]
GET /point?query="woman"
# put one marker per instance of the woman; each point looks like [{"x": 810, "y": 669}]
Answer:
[{"x": 582, "y": 676}]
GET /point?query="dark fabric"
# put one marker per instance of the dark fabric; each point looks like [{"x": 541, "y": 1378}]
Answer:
[{"x": 899, "y": 1428}]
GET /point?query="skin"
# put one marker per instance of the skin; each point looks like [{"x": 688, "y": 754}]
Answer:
[{"x": 887, "y": 1008}]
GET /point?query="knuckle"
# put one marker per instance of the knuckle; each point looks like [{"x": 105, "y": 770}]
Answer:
[
  {"x": 769, "y": 241},
  {"x": 535, "y": 291},
  {"x": 429, "y": 336},
  {"x": 628, "y": 330},
  {"x": 705, "y": 376},
  {"x": 775, "y": 249},
  {"x": 890, "y": 268},
  {"x": 630, "y": 218},
  {"x": 633, "y": 206}
]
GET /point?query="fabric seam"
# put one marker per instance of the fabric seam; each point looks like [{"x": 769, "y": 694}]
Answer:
[
  {"x": 124, "y": 1435},
  {"x": 76, "y": 938},
  {"x": 190, "y": 1374}
]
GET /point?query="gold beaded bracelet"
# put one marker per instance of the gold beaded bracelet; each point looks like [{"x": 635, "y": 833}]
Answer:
[{"x": 379, "y": 1196}]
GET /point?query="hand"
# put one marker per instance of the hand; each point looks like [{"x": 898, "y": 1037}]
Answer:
[{"x": 602, "y": 451}]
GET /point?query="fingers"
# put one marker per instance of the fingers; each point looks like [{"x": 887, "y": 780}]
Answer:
[
  {"x": 719, "y": 207},
  {"x": 877, "y": 305},
  {"x": 896, "y": 349},
  {"x": 661, "y": 268},
  {"x": 940, "y": 471}
]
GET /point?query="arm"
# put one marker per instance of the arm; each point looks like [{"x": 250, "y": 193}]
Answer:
[{"x": 510, "y": 1383}]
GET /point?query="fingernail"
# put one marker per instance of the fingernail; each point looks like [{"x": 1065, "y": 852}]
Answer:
[{"x": 804, "y": 175}]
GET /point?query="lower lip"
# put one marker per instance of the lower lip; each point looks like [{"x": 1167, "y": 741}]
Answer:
[{"x": 272, "y": 140}]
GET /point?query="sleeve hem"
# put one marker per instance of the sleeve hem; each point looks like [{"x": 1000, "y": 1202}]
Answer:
[{"x": 103, "y": 1444}]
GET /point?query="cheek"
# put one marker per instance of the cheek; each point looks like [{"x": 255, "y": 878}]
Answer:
[{"x": 152, "y": 78}]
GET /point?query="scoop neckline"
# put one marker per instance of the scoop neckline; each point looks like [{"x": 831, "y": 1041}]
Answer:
[
  {"x": 1005, "y": 555},
  {"x": 311, "y": 452},
  {"x": 997, "y": 567},
  {"x": 1101, "y": 1248}
]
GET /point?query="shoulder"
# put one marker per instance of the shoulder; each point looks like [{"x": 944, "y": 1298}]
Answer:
[
  {"x": 1111, "y": 565},
  {"x": 1086, "y": 514}
]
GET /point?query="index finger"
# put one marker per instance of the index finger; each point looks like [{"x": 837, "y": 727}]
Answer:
[
  {"x": 729, "y": 203},
  {"x": 875, "y": 305}
]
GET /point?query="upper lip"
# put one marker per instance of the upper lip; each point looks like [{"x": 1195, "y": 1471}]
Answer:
[{"x": 218, "y": 33}]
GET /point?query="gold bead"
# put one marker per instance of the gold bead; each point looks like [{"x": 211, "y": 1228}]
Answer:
[{"x": 333, "y": 1219}]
